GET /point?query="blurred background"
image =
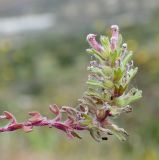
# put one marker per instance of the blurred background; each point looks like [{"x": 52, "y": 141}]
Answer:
[{"x": 43, "y": 61}]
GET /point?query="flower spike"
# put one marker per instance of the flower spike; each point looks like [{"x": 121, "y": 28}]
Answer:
[
  {"x": 107, "y": 95},
  {"x": 91, "y": 38},
  {"x": 115, "y": 36}
]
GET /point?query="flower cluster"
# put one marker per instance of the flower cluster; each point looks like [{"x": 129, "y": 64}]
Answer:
[{"x": 107, "y": 95}]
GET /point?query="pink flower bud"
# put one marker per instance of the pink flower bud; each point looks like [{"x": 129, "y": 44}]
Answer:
[
  {"x": 115, "y": 30},
  {"x": 27, "y": 128},
  {"x": 115, "y": 36},
  {"x": 91, "y": 38}
]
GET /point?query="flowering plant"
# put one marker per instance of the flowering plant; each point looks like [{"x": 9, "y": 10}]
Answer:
[{"x": 107, "y": 94}]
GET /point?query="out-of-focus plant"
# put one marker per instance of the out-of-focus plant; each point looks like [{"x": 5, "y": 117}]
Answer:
[{"x": 107, "y": 96}]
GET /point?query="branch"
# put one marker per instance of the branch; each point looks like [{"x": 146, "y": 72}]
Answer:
[{"x": 69, "y": 125}]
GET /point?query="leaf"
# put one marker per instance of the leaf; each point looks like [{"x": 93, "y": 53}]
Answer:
[
  {"x": 97, "y": 54},
  {"x": 27, "y": 128},
  {"x": 105, "y": 54},
  {"x": 69, "y": 134},
  {"x": 91, "y": 51},
  {"x": 127, "y": 58},
  {"x": 108, "y": 71},
  {"x": 87, "y": 117},
  {"x": 105, "y": 41},
  {"x": 131, "y": 74},
  {"x": 118, "y": 73},
  {"x": 120, "y": 133},
  {"x": 113, "y": 57},
  {"x": 107, "y": 96},
  {"x": 108, "y": 84},
  {"x": 95, "y": 134},
  {"x": 15, "y": 126},
  {"x": 106, "y": 45},
  {"x": 76, "y": 135},
  {"x": 87, "y": 121},
  {"x": 95, "y": 83},
  {"x": 119, "y": 90},
  {"x": 54, "y": 109},
  {"x": 36, "y": 117},
  {"x": 115, "y": 111},
  {"x": 10, "y": 116},
  {"x": 132, "y": 96},
  {"x": 96, "y": 70},
  {"x": 120, "y": 40},
  {"x": 98, "y": 58}
]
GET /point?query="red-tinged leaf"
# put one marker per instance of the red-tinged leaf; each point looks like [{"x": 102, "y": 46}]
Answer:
[
  {"x": 58, "y": 118},
  {"x": 71, "y": 118},
  {"x": 69, "y": 134},
  {"x": 36, "y": 117},
  {"x": 16, "y": 126},
  {"x": 35, "y": 114},
  {"x": 9, "y": 116},
  {"x": 60, "y": 125},
  {"x": 27, "y": 128},
  {"x": 54, "y": 109},
  {"x": 69, "y": 121}
]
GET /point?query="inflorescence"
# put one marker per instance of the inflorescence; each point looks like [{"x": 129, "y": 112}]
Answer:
[{"x": 107, "y": 96}]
